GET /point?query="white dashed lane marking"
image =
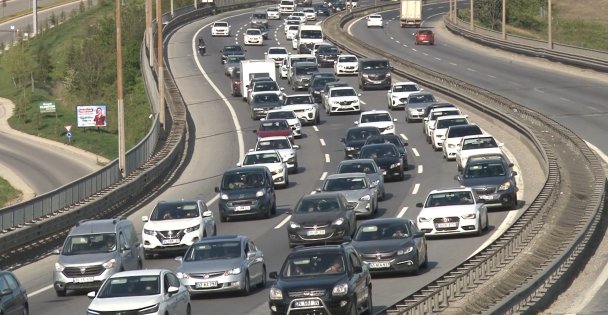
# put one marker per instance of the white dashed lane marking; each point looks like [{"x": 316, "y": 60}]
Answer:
[
  {"x": 322, "y": 142},
  {"x": 453, "y": 64},
  {"x": 416, "y": 187},
  {"x": 404, "y": 137},
  {"x": 327, "y": 160},
  {"x": 323, "y": 176},
  {"x": 437, "y": 58},
  {"x": 420, "y": 169},
  {"x": 315, "y": 128},
  {"x": 469, "y": 69},
  {"x": 491, "y": 76},
  {"x": 415, "y": 152},
  {"x": 402, "y": 212}
]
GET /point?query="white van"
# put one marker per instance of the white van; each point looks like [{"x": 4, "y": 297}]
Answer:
[
  {"x": 287, "y": 6},
  {"x": 307, "y": 37}
]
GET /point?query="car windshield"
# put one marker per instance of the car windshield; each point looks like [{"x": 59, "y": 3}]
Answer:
[
  {"x": 349, "y": 183},
  {"x": 445, "y": 123},
  {"x": 277, "y": 144},
  {"x": 380, "y": 151},
  {"x": 277, "y": 51},
  {"x": 234, "y": 59},
  {"x": 347, "y": 59},
  {"x": 328, "y": 50},
  {"x": 273, "y": 125},
  {"x": 317, "y": 83},
  {"x": 261, "y": 158},
  {"x": 405, "y": 88},
  {"x": 281, "y": 115},
  {"x": 343, "y": 92},
  {"x": 306, "y": 70},
  {"x": 273, "y": 9},
  {"x": 293, "y": 22},
  {"x": 358, "y": 134},
  {"x": 286, "y": 2},
  {"x": 461, "y": 132},
  {"x": 174, "y": 210},
  {"x": 253, "y": 32},
  {"x": 293, "y": 28},
  {"x": 375, "y": 17},
  {"x": 130, "y": 286},
  {"x": 89, "y": 244},
  {"x": 314, "y": 265},
  {"x": 421, "y": 98},
  {"x": 436, "y": 114},
  {"x": 363, "y": 167},
  {"x": 311, "y": 34},
  {"x": 479, "y": 143},
  {"x": 213, "y": 250},
  {"x": 382, "y": 231},
  {"x": 228, "y": 49},
  {"x": 375, "y": 65},
  {"x": 259, "y": 16},
  {"x": 375, "y": 117},
  {"x": 484, "y": 170},
  {"x": 292, "y": 100},
  {"x": 242, "y": 181},
  {"x": 453, "y": 198},
  {"x": 266, "y": 98},
  {"x": 384, "y": 139},
  {"x": 265, "y": 86},
  {"x": 316, "y": 205},
  {"x": 300, "y": 59},
  {"x": 220, "y": 24}
]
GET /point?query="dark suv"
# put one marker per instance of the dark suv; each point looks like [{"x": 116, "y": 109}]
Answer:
[
  {"x": 492, "y": 178},
  {"x": 356, "y": 138},
  {"x": 327, "y": 55},
  {"x": 247, "y": 191},
  {"x": 375, "y": 73},
  {"x": 329, "y": 279}
]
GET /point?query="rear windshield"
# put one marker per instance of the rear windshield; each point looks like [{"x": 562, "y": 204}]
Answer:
[
  {"x": 441, "y": 124},
  {"x": 424, "y": 98},
  {"x": 375, "y": 65},
  {"x": 362, "y": 167},
  {"x": 306, "y": 70},
  {"x": 293, "y": 100},
  {"x": 461, "y": 132}
]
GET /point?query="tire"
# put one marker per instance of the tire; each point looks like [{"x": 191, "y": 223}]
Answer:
[
  {"x": 273, "y": 210},
  {"x": 262, "y": 284},
  {"x": 148, "y": 255},
  {"x": 223, "y": 218},
  {"x": 425, "y": 264},
  {"x": 317, "y": 119},
  {"x": 61, "y": 293},
  {"x": 479, "y": 229},
  {"x": 214, "y": 230},
  {"x": 487, "y": 227},
  {"x": 189, "y": 310},
  {"x": 140, "y": 265},
  {"x": 369, "y": 304},
  {"x": 353, "y": 308},
  {"x": 247, "y": 289},
  {"x": 428, "y": 139}
]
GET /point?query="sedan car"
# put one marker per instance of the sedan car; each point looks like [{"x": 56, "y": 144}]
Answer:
[
  {"x": 360, "y": 191},
  {"x": 303, "y": 106},
  {"x": 310, "y": 13},
  {"x": 261, "y": 103},
  {"x": 317, "y": 85},
  {"x": 391, "y": 245},
  {"x": 394, "y": 139},
  {"x": 355, "y": 138},
  {"x": 290, "y": 116},
  {"x": 476, "y": 145},
  {"x": 452, "y": 211},
  {"x": 231, "y": 50},
  {"x": 396, "y": 97},
  {"x": 368, "y": 167},
  {"x": 149, "y": 291},
  {"x": 253, "y": 36},
  {"x": 322, "y": 9},
  {"x": 441, "y": 127},
  {"x": 288, "y": 151},
  {"x": 453, "y": 136},
  {"x": 262, "y": 29},
  {"x": 273, "y": 13},
  {"x": 273, "y": 161},
  {"x": 342, "y": 99},
  {"x": 380, "y": 119},
  {"x": 264, "y": 86},
  {"x": 387, "y": 157},
  {"x": 416, "y": 104},
  {"x": 13, "y": 298},
  {"x": 292, "y": 31},
  {"x": 424, "y": 37},
  {"x": 429, "y": 120},
  {"x": 374, "y": 20},
  {"x": 276, "y": 54},
  {"x": 220, "y": 28},
  {"x": 301, "y": 15},
  {"x": 274, "y": 128},
  {"x": 346, "y": 64},
  {"x": 224, "y": 263},
  {"x": 232, "y": 62},
  {"x": 321, "y": 218}
]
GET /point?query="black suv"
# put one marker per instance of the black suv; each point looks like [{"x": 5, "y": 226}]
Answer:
[
  {"x": 374, "y": 73},
  {"x": 317, "y": 84},
  {"x": 231, "y": 50},
  {"x": 327, "y": 55},
  {"x": 356, "y": 138},
  {"x": 491, "y": 177},
  {"x": 328, "y": 279},
  {"x": 247, "y": 191}
]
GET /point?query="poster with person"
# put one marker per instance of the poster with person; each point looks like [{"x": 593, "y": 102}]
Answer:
[{"x": 91, "y": 115}]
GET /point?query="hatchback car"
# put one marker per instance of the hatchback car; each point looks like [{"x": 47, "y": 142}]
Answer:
[
  {"x": 13, "y": 296},
  {"x": 367, "y": 166},
  {"x": 253, "y": 36},
  {"x": 424, "y": 37},
  {"x": 429, "y": 120},
  {"x": 476, "y": 145},
  {"x": 149, "y": 291},
  {"x": 380, "y": 119},
  {"x": 274, "y": 128},
  {"x": 360, "y": 191},
  {"x": 272, "y": 160},
  {"x": 246, "y": 191},
  {"x": 288, "y": 151},
  {"x": 387, "y": 157},
  {"x": 441, "y": 127},
  {"x": 346, "y": 64},
  {"x": 262, "y": 102},
  {"x": 453, "y": 136},
  {"x": 290, "y": 116},
  {"x": 276, "y": 54},
  {"x": 416, "y": 104},
  {"x": 220, "y": 28},
  {"x": 222, "y": 264},
  {"x": 374, "y": 20},
  {"x": 311, "y": 14},
  {"x": 341, "y": 100},
  {"x": 273, "y": 13},
  {"x": 394, "y": 139}
]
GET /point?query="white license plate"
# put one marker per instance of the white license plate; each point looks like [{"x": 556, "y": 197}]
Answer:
[
  {"x": 447, "y": 225},
  {"x": 380, "y": 264},
  {"x": 383, "y": 172},
  {"x": 171, "y": 241},
  {"x": 242, "y": 208},
  {"x": 207, "y": 284},
  {"x": 84, "y": 280},
  {"x": 486, "y": 197},
  {"x": 315, "y": 232},
  {"x": 306, "y": 303}
]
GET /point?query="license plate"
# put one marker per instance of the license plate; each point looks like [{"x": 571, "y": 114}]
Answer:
[
  {"x": 379, "y": 264},
  {"x": 306, "y": 303},
  {"x": 383, "y": 172},
  {"x": 171, "y": 241},
  {"x": 315, "y": 232},
  {"x": 207, "y": 284},
  {"x": 242, "y": 208},
  {"x": 486, "y": 197},
  {"x": 447, "y": 225},
  {"x": 84, "y": 279}
]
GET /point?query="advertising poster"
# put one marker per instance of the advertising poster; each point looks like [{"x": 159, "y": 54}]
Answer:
[{"x": 91, "y": 115}]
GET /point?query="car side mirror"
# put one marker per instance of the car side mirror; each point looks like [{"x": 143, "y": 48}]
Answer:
[
  {"x": 91, "y": 295},
  {"x": 359, "y": 94},
  {"x": 145, "y": 218},
  {"x": 342, "y": 140},
  {"x": 296, "y": 146},
  {"x": 425, "y": 119},
  {"x": 207, "y": 214},
  {"x": 125, "y": 247},
  {"x": 405, "y": 144},
  {"x": 289, "y": 211},
  {"x": 513, "y": 173},
  {"x": 265, "y": 54},
  {"x": 500, "y": 145},
  {"x": 457, "y": 177},
  {"x": 179, "y": 259},
  {"x": 56, "y": 252},
  {"x": 221, "y": 50},
  {"x": 238, "y": 164},
  {"x": 356, "y": 122},
  {"x": 358, "y": 269},
  {"x": 395, "y": 119},
  {"x": 511, "y": 165},
  {"x": 419, "y": 234},
  {"x": 273, "y": 275},
  {"x": 466, "y": 116},
  {"x": 373, "y": 185},
  {"x": 172, "y": 290},
  {"x": 217, "y": 189},
  {"x": 318, "y": 189},
  {"x": 419, "y": 205},
  {"x": 255, "y": 131},
  {"x": 282, "y": 88},
  {"x": 262, "y": 119}
]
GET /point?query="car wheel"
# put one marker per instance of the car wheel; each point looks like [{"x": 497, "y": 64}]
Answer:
[
  {"x": 428, "y": 139},
  {"x": 295, "y": 168},
  {"x": 273, "y": 210},
  {"x": 286, "y": 180},
  {"x": 479, "y": 228},
  {"x": 353, "y": 308},
  {"x": 247, "y": 287},
  {"x": 487, "y": 227},
  {"x": 262, "y": 284},
  {"x": 140, "y": 264},
  {"x": 513, "y": 202},
  {"x": 425, "y": 264},
  {"x": 317, "y": 119},
  {"x": 381, "y": 197},
  {"x": 214, "y": 230},
  {"x": 189, "y": 310},
  {"x": 60, "y": 293}
]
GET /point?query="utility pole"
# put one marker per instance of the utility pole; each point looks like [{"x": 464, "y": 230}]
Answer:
[
  {"x": 472, "y": 26},
  {"x": 450, "y": 10},
  {"x": 171, "y": 9},
  {"x": 121, "y": 109},
  {"x": 149, "y": 35},
  {"x": 504, "y": 19},
  {"x": 160, "y": 65},
  {"x": 549, "y": 25},
  {"x": 35, "y": 17}
]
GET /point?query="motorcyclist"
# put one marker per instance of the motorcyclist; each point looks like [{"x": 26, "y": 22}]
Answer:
[{"x": 201, "y": 46}]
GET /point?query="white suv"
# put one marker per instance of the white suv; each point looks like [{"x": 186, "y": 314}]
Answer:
[
  {"x": 374, "y": 20},
  {"x": 342, "y": 99},
  {"x": 220, "y": 29},
  {"x": 380, "y": 119}
]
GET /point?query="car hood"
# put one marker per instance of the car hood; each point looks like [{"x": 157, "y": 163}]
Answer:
[
  {"x": 348, "y": 64},
  {"x": 286, "y": 153},
  {"x": 323, "y": 281},
  {"x": 402, "y": 94},
  {"x": 176, "y": 224},
  {"x": 387, "y": 161},
  {"x": 124, "y": 303},
  {"x": 419, "y": 105},
  {"x": 343, "y": 98},
  {"x": 272, "y": 133},
  {"x": 446, "y": 211},
  {"x": 86, "y": 259},
  {"x": 211, "y": 265},
  {"x": 381, "y": 246},
  {"x": 484, "y": 181},
  {"x": 354, "y": 195},
  {"x": 244, "y": 193},
  {"x": 276, "y": 104},
  {"x": 379, "y": 71},
  {"x": 379, "y": 124},
  {"x": 316, "y": 217},
  {"x": 295, "y": 107},
  {"x": 271, "y": 166}
]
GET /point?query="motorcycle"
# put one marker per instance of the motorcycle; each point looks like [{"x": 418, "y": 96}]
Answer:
[{"x": 201, "y": 49}]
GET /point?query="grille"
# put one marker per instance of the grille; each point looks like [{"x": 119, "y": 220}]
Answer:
[
  {"x": 311, "y": 226},
  {"x": 206, "y": 275},
  {"x": 446, "y": 220},
  {"x": 379, "y": 256},
  {"x": 376, "y": 76},
  {"x": 172, "y": 234},
  {"x": 77, "y": 272},
  {"x": 306, "y": 293},
  {"x": 130, "y": 312},
  {"x": 439, "y": 222},
  {"x": 346, "y": 102},
  {"x": 484, "y": 190},
  {"x": 403, "y": 99},
  {"x": 241, "y": 203}
]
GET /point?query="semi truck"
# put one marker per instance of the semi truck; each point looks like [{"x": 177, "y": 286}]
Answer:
[
  {"x": 411, "y": 13},
  {"x": 255, "y": 68}
]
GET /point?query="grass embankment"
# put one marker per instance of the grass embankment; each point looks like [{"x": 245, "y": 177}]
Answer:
[{"x": 7, "y": 193}]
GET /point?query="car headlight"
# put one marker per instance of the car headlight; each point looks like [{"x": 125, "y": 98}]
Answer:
[
  {"x": 451, "y": 146},
  {"x": 234, "y": 271},
  {"x": 423, "y": 219},
  {"x": 311, "y": 108},
  {"x": 350, "y": 148},
  {"x": 276, "y": 294},
  {"x": 340, "y": 289},
  {"x": 294, "y": 225},
  {"x": 365, "y": 198},
  {"x": 90, "y": 312},
  {"x": 298, "y": 125},
  {"x": 335, "y": 102},
  {"x": 109, "y": 264},
  {"x": 506, "y": 185},
  {"x": 388, "y": 74},
  {"x": 182, "y": 275},
  {"x": 395, "y": 165},
  {"x": 149, "y": 232},
  {"x": 406, "y": 250},
  {"x": 390, "y": 127},
  {"x": 260, "y": 193},
  {"x": 59, "y": 267},
  {"x": 224, "y": 196},
  {"x": 148, "y": 310},
  {"x": 365, "y": 75},
  {"x": 339, "y": 221},
  {"x": 193, "y": 228},
  {"x": 469, "y": 216},
  {"x": 316, "y": 92},
  {"x": 376, "y": 182}
]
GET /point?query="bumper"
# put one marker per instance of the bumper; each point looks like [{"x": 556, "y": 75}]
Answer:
[
  {"x": 340, "y": 70},
  {"x": 391, "y": 172},
  {"x": 220, "y": 33},
  {"x": 301, "y": 85},
  {"x": 450, "y": 151},
  {"x": 306, "y": 116},
  {"x": 415, "y": 114},
  {"x": 273, "y": 16},
  {"x": 243, "y": 208},
  {"x": 337, "y": 108},
  {"x": 498, "y": 199},
  {"x": 253, "y": 42},
  {"x": 302, "y": 236},
  {"x": 379, "y": 24},
  {"x": 465, "y": 226},
  {"x": 320, "y": 306},
  {"x": 397, "y": 104},
  {"x": 61, "y": 282},
  {"x": 384, "y": 83},
  {"x": 403, "y": 263},
  {"x": 217, "y": 284},
  {"x": 153, "y": 244}
]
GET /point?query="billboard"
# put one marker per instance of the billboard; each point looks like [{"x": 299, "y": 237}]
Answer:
[{"x": 91, "y": 115}]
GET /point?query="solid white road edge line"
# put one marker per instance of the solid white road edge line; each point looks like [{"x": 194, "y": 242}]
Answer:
[
  {"x": 402, "y": 212},
  {"x": 280, "y": 225}
]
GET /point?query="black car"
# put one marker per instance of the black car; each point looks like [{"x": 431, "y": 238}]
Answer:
[
  {"x": 338, "y": 6},
  {"x": 247, "y": 191},
  {"x": 355, "y": 139},
  {"x": 231, "y": 50},
  {"x": 327, "y": 55},
  {"x": 13, "y": 297},
  {"x": 374, "y": 73},
  {"x": 492, "y": 178},
  {"x": 317, "y": 84},
  {"x": 394, "y": 139},
  {"x": 322, "y": 9},
  {"x": 261, "y": 103},
  {"x": 321, "y": 218},
  {"x": 387, "y": 157},
  {"x": 391, "y": 245},
  {"x": 328, "y": 279}
]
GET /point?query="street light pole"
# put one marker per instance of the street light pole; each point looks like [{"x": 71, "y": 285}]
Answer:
[
  {"x": 549, "y": 25},
  {"x": 472, "y": 15},
  {"x": 149, "y": 37},
  {"x": 35, "y": 17},
  {"x": 160, "y": 64},
  {"x": 504, "y": 19},
  {"x": 121, "y": 110}
]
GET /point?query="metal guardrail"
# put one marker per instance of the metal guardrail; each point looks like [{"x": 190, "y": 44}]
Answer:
[{"x": 561, "y": 222}]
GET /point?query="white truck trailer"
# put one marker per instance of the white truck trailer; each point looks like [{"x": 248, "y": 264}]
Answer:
[
  {"x": 255, "y": 68},
  {"x": 411, "y": 13}
]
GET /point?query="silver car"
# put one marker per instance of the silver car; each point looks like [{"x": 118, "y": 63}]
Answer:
[
  {"x": 232, "y": 62},
  {"x": 222, "y": 263},
  {"x": 367, "y": 166},
  {"x": 288, "y": 152},
  {"x": 416, "y": 104},
  {"x": 301, "y": 73},
  {"x": 359, "y": 190}
]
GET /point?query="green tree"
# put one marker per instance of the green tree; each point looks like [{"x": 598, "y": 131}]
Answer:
[
  {"x": 489, "y": 13},
  {"x": 15, "y": 61}
]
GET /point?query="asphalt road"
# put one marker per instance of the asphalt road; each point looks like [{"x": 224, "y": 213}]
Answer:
[{"x": 218, "y": 146}]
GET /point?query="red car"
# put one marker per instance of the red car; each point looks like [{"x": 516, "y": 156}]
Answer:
[
  {"x": 274, "y": 127},
  {"x": 424, "y": 37}
]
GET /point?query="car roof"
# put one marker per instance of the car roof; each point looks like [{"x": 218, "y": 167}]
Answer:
[
  {"x": 362, "y": 128},
  {"x": 346, "y": 55},
  {"x": 139, "y": 272},
  {"x": 467, "y": 126},
  {"x": 384, "y": 220},
  {"x": 278, "y": 111},
  {"x": 97, "y": 226},
  {"x": 316, "y": 249},
  {"x": 451, "y": 189},
  {"x": 356, "y": 161},
  {"x": 322, "y": 194},
  {"x": 277, "y": 47},
  {"x": 248, "y": 169},
  {"x": 375, "y": 111},
  {"x": 261, "y": 152},
  {"x": 274, "y": 138},
  {"x": 375, "y": 145},
  {"x": 218, "y": 238},
  {"x": 487, "y": 157},
  {"x": 345, "y": 175},
  {"x": 297, "y": 95},
  {"x": 274, "y": 120},
  {"x": 420, "y": 93},
  {"x": 373, "y": 59},
  {"x": 177, "y": 201},
  {"x": 485, "y": 135},
  {"x": 348, "y": 87},
  {"x": 451, "y": 117},
  {"x": 304, "y": 64},
  {"x": 405, "y": 83}
]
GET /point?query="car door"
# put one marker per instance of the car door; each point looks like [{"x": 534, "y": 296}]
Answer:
[
  {"x": 125, "y": 250},
  {"x": 255, "y": 261},
  {"x": 170, "y": 300},
  {"x": 206, "y": 222},
  {"x": 350, "y": 216},
  {"x": 420, "y": 242},
  {"x": 181, "y": 298},
  {"x": 358, "y": 279}
]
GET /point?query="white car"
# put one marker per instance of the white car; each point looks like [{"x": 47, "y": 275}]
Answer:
[
  {"x": 220, "y": 29},
  {"x": 396, "y": 97},
  {"x": 276, "y": 54},
  {"x": 304, "y": 106},
  {"x": 342, "y": 99},
  {"x": 290, "y": 116},
  {"x": 295, "y": 21},
  {"x": 288, "y": 152},
  {"x": 175, "y": 225},
  {"x": 346, "y": 64},
  {"x": 149, "y": 291},
  {"x": 292, "y": 31},
  {"x": 476, "y": 145},
  {"x": 453, "y": 136},
  {"x": 264, "y": 87},
  {"x": 283, "y": 69},
  {"x": 310, "y": 13},
  {"x": 380, "y": 119},
  {"x": 272, "y": 160},
  {"x": 301, "y": 15},
  {"x": 273, "y": 13},
  {"x": 253, "y": 36},
  {"x": 452, "y": 211},
  {"x": 441, "y": 127},
  {"x": 429, "y": 121},
  {"x": 374, "y": 20}
]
